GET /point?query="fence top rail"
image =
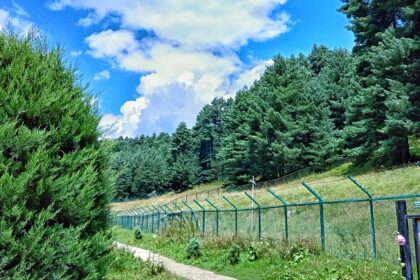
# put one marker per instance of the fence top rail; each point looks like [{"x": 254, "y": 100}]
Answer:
[
  {"x": 262, "y": 183},
  {"x": 296, "y": 204}
]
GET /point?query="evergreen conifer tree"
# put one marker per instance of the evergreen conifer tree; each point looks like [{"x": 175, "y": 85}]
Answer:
[{"x": 54, "y": 186}]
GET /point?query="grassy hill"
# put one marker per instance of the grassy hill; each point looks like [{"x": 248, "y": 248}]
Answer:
[
  {"x": 122, "y": 206},
  {"x": 347, "y": 225},
  {"x": 332, "y": 184}
]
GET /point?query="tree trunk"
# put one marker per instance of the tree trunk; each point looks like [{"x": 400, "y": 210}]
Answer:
[{"x": 401, "y": 153}]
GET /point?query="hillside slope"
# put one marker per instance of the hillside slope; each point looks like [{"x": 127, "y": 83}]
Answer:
[{"x": 332, "y": 184}]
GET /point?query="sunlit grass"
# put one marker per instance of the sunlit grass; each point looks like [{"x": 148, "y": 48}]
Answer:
[{"x": 158, "y": 200}]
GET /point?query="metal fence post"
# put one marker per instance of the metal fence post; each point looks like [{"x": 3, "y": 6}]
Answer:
[
  {"x": 168, "y": 222},
  {"x": 217, "y": 215},
  {"x": 203, "y": 227},
  {"x": 372, "y": 215},
  {"x": 259, "y": 213},
  {"x": 192, "y": 213},
  {"x": 236, "y": 213},
  {"x": 136, "y": 218},
  {"x": 158, "y": 218},
  {"x": 285, "y": 205},
  {"x": 405, "y": 253},
  {"x": 132, "y": 219},
  {"x": 153, "y": 217},
  {"x": 165, "y": 215},
  {"x": 147, "y": 220},
  {"x": 180, "y": 210},
  {"x": 142, "y": 218},
  {"x": 321, "y": 212}
]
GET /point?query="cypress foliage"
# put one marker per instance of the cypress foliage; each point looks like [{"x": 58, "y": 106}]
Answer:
[{"x": 54, "y": 190}]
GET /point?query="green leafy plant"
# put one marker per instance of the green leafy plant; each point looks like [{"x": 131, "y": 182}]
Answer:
[
  {"x": 252, "y": 252},
  {"x": 193, "y": 248},
  {"x": 298, "y": 253},
  {"x": 234, "y": 254},
  {"x": 154, "y": 267},
  {"x": 138, "y": 234}
]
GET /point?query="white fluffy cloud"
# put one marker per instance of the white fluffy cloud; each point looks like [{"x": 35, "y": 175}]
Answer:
[
  {"x": 187, "y": 59},
  {"x": 125, "y": 124},
  {"x": 102, "y": 76},
  {"x": 194, "y": 23},
  {"x": 15, "y": 20}
]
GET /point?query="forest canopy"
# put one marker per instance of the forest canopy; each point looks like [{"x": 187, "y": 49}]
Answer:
[{"x": 306, "y": 110}]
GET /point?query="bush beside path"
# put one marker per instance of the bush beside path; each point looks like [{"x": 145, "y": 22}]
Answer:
[{"x": 182, "y": 270}]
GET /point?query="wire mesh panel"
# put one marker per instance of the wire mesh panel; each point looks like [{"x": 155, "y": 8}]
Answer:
[
  {"x": 357, "y": 228},
  {"x": 348, "y": 230},
  {"x": 247, "y": 223},
  {"x": 385, "y": 227},
  {"x": 304, "y": 222},
  {"x": 226, "y": 223},
  {"x": 273, "y": 223},
  {"x": 211, "y": 222}
]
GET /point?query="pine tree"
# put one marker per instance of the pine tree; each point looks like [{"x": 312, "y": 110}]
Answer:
[
  {"x": 54, "y": 186},
  {"x": 208, "y": 131},
  {"x": 387, "y": 69}
]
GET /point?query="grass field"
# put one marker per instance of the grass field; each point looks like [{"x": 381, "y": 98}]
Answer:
[
  {"x": 126, "y": 267},
  {"x": 332, "y": 184},
  {"x": 275, "y": 260},
  {"x": 121, "y": 206},
  {"x": 347, "y": 225}
]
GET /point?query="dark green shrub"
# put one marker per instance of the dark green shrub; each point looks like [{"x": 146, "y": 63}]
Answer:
[
  {"x": 234, "y": 254},
  {"x": 298, "y": 252},
  {"x": 137, "y": 234},
  {"x": 194, "y": 248},
  {"x": 54, "y": 186},
  {"x": 252, "y": 252}
]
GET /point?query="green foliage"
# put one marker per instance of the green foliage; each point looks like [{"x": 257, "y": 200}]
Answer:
[
  {"x": 277, "y": 262},
  {"x": 234, "y": 254},
  {"x": 252, "y": 252},
  {"x": 180, "y": 231},
  {"x": 209, "y": 130},
  {"x": 138, "y": 234},
  {"x": 153, "y": 268},
  {"x": 313, "y": 110},
  {"x": 385, "y": 112},
  {"x": 123, "y": 265},
  {"x": 298, "y": 253},
  {"x": 54, "y": 182},
  {"x": 193, "y": 249}
]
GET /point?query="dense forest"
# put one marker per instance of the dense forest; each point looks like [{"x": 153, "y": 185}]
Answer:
[{"x": 306, "y": 110}]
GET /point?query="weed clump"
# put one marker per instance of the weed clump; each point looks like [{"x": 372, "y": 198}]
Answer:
[
  {"x": 234, "y": 254},
  {"x": 193, "y": 248},
  {"x": 154, "y": 268},
  {"x": 138, "y": 234}
]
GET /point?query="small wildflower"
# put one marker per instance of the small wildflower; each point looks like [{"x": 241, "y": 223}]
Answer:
[{"x": 400, "y": 240}]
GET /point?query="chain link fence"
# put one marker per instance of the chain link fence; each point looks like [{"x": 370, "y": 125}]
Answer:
[
  {"x": 357, "y": 224},
  {"x": 216, "y": 192}
]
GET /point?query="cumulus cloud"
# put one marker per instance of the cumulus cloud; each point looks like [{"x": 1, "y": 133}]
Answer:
[
  {"x": 195, "y": 23},
  {"x": 15, "y": 21},
  {"x": 126, "y": 124},
  {"x": 247, "y": 78},
  {"x": 188, "y": 57},
  {"x": 102, "y": 76}
]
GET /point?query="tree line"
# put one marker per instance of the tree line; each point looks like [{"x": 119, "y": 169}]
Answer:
[{"x": 305, "y": 110}]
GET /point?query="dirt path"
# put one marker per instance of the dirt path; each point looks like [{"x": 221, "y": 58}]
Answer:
[{"x": 182, "y": 270}]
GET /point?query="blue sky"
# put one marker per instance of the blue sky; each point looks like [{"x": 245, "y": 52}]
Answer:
[{"x": 156, "y": 63}]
